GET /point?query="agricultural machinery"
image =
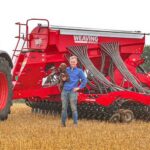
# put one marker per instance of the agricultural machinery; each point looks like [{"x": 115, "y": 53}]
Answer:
[{"x": 118, "y": 88}]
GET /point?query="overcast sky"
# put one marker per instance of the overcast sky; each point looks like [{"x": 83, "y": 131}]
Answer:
[{"x": 104, "y": 14}]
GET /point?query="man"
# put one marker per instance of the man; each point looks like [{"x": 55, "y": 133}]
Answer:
[{"x": 70, "y": 88}]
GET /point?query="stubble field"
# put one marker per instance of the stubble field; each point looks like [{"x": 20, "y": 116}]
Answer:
[{"x": 25, "y": 130}]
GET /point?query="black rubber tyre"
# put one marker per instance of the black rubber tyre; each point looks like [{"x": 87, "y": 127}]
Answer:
[
  {"x": 5, "y": 89},
  {"x": 115, "y": 118},
  {"x": 127, "y": 116}
]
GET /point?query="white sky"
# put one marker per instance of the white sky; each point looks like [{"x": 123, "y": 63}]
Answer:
[{"x": 131, "y": 15}]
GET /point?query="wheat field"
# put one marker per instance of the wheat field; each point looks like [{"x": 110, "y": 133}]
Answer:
[{"x": 28, "y": 131}]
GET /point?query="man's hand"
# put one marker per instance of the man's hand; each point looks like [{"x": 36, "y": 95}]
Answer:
[
  {"x": 76, "y": 89},
  {"x": 64, "y": 78}
]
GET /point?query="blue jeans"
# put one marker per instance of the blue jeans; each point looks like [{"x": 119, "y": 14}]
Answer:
[{"x": 67, "y": 96}]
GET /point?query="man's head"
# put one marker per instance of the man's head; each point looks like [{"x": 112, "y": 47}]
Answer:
[{"x": 73, "y": 61}]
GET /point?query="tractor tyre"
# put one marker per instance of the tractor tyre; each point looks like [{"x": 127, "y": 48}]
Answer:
[{"x": 5, "y": 89}]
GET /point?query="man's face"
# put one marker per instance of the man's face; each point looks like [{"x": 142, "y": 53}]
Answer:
[{"x": 73, "y": 63}]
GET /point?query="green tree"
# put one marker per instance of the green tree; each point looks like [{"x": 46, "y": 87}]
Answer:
[{"x": 146, "y": 55}]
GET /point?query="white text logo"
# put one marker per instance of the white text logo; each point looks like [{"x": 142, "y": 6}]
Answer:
[{"x": 85, "y": 39}]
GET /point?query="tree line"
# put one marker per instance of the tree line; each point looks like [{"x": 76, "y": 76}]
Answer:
[{"x": 146, "y": 55}]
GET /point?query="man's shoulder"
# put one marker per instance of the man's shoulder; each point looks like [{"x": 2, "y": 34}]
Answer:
[{"x": 79, "y": 69}]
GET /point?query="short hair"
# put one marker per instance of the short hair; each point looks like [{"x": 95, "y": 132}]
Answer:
[{"x": 73, "y": 57}]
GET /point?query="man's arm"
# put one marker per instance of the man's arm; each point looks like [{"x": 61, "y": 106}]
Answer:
[{"x": 83, "y": 81}]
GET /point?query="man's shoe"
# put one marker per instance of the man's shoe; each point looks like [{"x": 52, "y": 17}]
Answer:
[
  {"x": 75, "y": 125},
  {"x": 63, "y": 125}
]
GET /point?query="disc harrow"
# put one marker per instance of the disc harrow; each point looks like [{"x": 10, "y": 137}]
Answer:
[{"x": 94, "y": 111}]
